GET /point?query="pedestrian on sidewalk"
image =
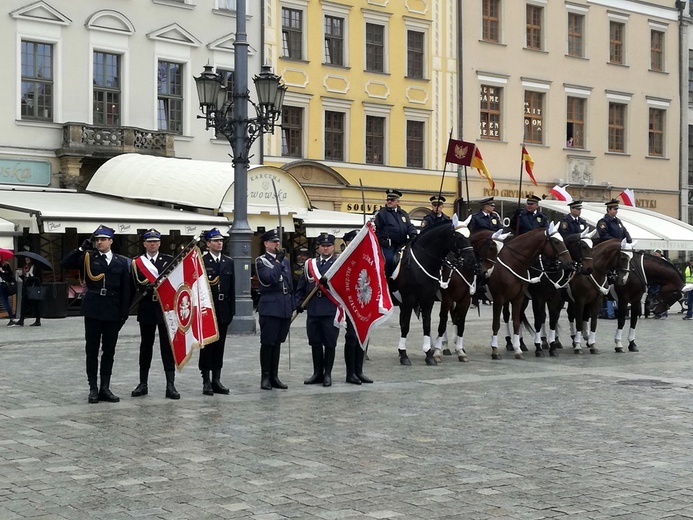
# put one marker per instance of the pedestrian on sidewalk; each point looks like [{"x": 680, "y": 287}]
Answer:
[
  {"x": 688, "y": 274},
  {"x": 8, "y": 287},
  {"x": 105, "y": 306},
  {"x": 275, "y": 307},
  {"x": 150, "y": 316},
  {"x": 31, "y": 292}
]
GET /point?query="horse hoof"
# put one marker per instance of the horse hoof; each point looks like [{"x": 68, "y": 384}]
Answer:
[
  {"x": 404, "y": 360},
  {"x": 594, "y": 350},
  {"x": 430, "y": 359},
  {"x": 539, "y": 352},
  {"x": 618, "y": 350},
  {"x": 437, "y": 355},
  {"x": 577, "y": 350},
  {"x": 447, "y": 352},
  {"x": 523, "y": 347},
  {"x": 555, "y": 344},
  {"x": 496, "y": 356},
  {"x": 518, "y": 355},
  {"x": 553, "y": 353},
  {"x": 633, "y": 348},
  {"x": 462, "y": 358}
]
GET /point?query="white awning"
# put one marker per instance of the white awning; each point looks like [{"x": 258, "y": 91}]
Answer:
[
  {"x": 316, "y": 221},
  {"x": 7, "y": 233},
  {"x": 651, "y": 229},
  {"x": 53, "y": 211},
  {"x": 202, "y": 184}
]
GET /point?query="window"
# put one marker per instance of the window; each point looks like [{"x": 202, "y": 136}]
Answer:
[
  {"x": 490, "y": 112},
  {"x": 292, "y": 131},
  {"x": 227, "y": 5},
  {"x": 534, "y": 112},
  {"x": 576, "y": 35},
  {"x": 617, "y": 127},
  {"x": 575, "y": 123},
  {"x": 415, "y": 144},
  {"x": 375, "y": 48},
  {"x": 334, "y": 40},
  {"x": 690, "y": 77},
  {"x": 292, "y": 33},
  {"x": 534, "y": 14},
  {"x": 37, "y": 81},
  {"x": 490, "y": 20},
  {"x": 227, "y": 77},
  {"x": 375, "y": 140},
  {"x": 106, "y": 89},
  {"x": 334, "y": 136},
  {"x": 657, "y": 51},
  {"x": 170, "y": 97},
  {"x": 656, "y": 133},
  {"x": 616, "y": 33},
  {"x": 415, "y": 54}
]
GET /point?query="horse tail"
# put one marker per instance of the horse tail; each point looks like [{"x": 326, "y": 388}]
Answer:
[{"x": 527, "y": 325}]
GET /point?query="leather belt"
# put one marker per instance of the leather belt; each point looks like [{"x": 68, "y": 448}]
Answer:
[
  {"x": 220, "y": 297},
  {"x": 104, "y": 292}
]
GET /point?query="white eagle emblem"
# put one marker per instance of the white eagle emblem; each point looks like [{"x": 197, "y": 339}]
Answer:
[
  {"x": 184, "y": 309},
  {"x": 461, "y": 151},
  {"x": 364, "y": 291}
]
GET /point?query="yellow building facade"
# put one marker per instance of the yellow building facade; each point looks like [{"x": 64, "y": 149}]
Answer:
[{"x": 372, "y": 98}]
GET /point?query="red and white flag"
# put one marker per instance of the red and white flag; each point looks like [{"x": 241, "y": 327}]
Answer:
[
  {"x": 628, "y": 197},
  {"x": 561, "y": 194},
  {"x": 357, "y": 281},
  {"x": 186, "y": 300}
]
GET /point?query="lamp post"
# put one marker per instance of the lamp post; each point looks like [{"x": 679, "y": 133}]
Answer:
[{"x": 231, "y": 120}]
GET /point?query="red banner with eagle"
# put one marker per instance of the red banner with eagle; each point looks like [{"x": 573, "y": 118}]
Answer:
[
  {"x": 357, "y": 281},
  {"x": 186, "y": 299}
]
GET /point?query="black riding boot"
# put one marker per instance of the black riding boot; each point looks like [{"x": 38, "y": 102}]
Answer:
[
  {"x": 171, "y": 392},
  {"x": 217, "y": 387},
  {"x": 105, "y": 393},
  {"x": 93, "y": 393},
  {"x": 274, "y": 373},
  {"x": 206, "y": 383},
  {"x": 350, "y": 359},
  {"x": 143, "y": 387},
  {"x": 265, "y": 366},
  {"x": 329, "y": 363},
  {"x": 359, "y": 355},
  {"x": 318, "y": 367}
]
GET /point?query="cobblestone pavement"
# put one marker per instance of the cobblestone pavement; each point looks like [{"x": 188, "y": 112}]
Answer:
[{"x": 582, "y": 437}]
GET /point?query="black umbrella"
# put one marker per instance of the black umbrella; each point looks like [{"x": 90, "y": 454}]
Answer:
[{"x": 36, "y": 258}]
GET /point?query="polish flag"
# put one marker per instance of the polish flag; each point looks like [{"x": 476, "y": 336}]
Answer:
[
  {"x": 628, "y": 197},
  {"x": 561, "y": 194}
]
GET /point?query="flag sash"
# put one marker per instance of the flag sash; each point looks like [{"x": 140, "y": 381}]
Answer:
[
  {"x": 314, "y": 275},
  {"x": 147, "y": 268},
  {"x": 186, "y": 301}
]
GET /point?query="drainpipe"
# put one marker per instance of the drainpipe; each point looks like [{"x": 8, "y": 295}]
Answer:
[
  {"x": 460, "y": 92},
  {"x": 684, "y": 195}
]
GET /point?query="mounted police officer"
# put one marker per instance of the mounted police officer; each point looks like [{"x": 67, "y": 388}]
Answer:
[
  {"x": 320, "y": 323},
  {"x": 105, "y": 305},
  {"x": 393, "y": 228},
  {"x": 528, "y": 218},
  {"x": 353, "y": 353},
  {"x": 150, "y": 316},
  {"x": 573, "y": 222},
  {"x": 275, "y": 307},
  {"x": 486, "y": 217},
  {"x": 220, "y": 274},
  {"x": 436, "y": 216},
  {"x": 610, "y": 226}
]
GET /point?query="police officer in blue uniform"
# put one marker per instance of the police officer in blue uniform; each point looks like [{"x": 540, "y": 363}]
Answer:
[
  {"x": 436, "y": 216},
  {"x": 150, "y": 316},
  {"x": 220, "y": 274},
  {"x": 393, "y": 228},
  {"x": 486, "y": 217},
  {"x": 573, "y": 222},
  {"x": 320, "y": 327},
  {"x": 105, "y": 306},
  {"x": 610, "y": 226},
  {"x": 275, "y": 307},
  {"x": 353, "y": 353},
  {"x": 528, "y": 218}
]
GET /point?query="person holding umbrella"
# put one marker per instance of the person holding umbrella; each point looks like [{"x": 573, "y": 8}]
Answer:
[
  {"x": 105, "y": 305},
  {"x": 31, "y": 291}
]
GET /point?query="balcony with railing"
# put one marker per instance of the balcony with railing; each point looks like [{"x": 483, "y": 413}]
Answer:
[{"x": 109, "y": 141}]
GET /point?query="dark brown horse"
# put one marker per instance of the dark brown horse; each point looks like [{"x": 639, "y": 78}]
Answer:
[
  {"x": 646, "y": 269},
  {"x": 548, "y": 294},
  {"x": 511, "y": 276},
  {"x": 463, "y": 282},
  {"x": 586, "y": 291},
  {"x": 419, "y": 279}
]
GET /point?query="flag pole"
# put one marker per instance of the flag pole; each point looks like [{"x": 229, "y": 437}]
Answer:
[
  {"x": 363, "y": 202},
  {"x": 445, "y": 166},
  {"x": 466, "y": 182},
  {"x": 519, "y": 193}
]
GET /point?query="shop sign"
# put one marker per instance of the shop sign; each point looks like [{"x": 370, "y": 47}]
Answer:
[
  {"x": 26, "y": 173},
  {"x": 362, "y": 208}
]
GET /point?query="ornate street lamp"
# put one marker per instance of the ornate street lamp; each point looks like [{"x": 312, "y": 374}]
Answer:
[{"x": 230, "y": 119}]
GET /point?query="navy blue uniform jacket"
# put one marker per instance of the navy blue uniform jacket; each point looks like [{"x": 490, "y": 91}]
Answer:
[
  {"x": 393, "y": 229},
  {"x": 481, "y": 220},
  {"x": 523, "y": 221},
  {"x": 276, "y": 287},
  {"x": 611, "y": 227},
  {"x": 319, "y": 304},
  {"x": 223, "y": 285},
  {"x": 149, "y": 309}
]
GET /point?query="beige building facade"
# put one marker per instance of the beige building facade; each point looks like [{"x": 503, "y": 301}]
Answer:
[{"x": 590, "y": 87}]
